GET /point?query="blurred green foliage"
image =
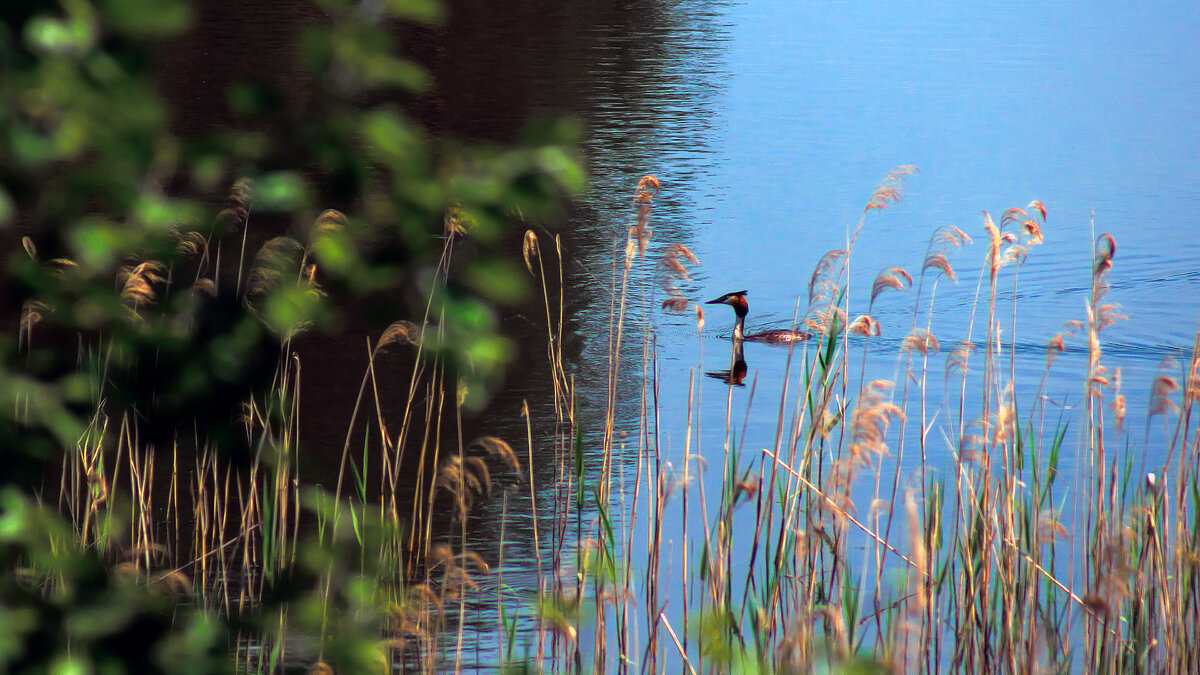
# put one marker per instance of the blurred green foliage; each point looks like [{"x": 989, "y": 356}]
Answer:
[{"x": 123, "y": 311}]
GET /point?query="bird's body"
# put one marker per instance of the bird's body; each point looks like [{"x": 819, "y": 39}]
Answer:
[{"x": 737, "y": 300}]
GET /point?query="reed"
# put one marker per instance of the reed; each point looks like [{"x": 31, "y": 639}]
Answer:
[
  {"x": 980, "y": 572},
  {"x": 830, "y": 544}
]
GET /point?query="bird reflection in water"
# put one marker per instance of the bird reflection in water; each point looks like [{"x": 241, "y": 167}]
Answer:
[{"x": 737, "y": 367}]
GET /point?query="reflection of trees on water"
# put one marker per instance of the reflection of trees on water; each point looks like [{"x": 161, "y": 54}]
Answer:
[{"x": 642, "y": 82}]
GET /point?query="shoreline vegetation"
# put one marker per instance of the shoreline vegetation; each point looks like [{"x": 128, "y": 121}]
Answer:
[
  {"x": 968, "y": 572},
  {"x": 183, "y": 537},
  {"x": 1006, "y": 564}
]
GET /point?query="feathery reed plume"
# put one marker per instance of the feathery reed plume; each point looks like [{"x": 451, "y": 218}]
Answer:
[
  {"x": 746, "y": 487},
  {"x": 529, "y": 248},
  {"x": 1030, "y": 230},
  {"x": 1100, "y": 315},
  {"x": 971, "y": 443},
  {"x": 137, "y": 282},
  {"x": 942, "y": 243},
  {"x": 481, "y": 478},
  {"x": 1036, "y": 205},
  {"x": 1192, "y": 392},
  {"x": 326, "y": 226},
  {"x": 1013, "y": 214},
  {"x": 647, "y": 189},
  {"x": 937, "y": 261},
  {"x": 890, "y": 189},
  {"x": 557, "y": 624},
  {"x": 458, "y": 581},
  {"x": 921, "y": 341},
  {"x": 452, "y": 479},
  {"x": 865, "y": 325},
  {"x": 422, "y": 596},
  {"x": 1161, "y": 388},
  {"x": 822, "y": 285},
  {"x": 62, "y": 267},
  {"x": 439, "y": 555},
  {"x": 206, "y": 286},
  {"x": 476, "y": 560},
  {"x": 699, "y": 319},
  {"x": 30, "y": 247},
  {"x": 1106, "y": 250},
  {"x": 399, "y": 333},
  {"x": 1028, "y": 233},
  {"x": 1014, "y": 255},
  {"x": 631, "y": 248},
  {"x": 1108, "y": 314},
  {"x": 1049, "y": 528},
  {"x": 822, "y": 320},
  {"x": 277, "y": 262},
  {"x": 33, "y": 311},
  {"x": 672, "y": 263},
  {"x": 1118, "y": 402},
  {"x": 330, "y": 222},
  {"x": 457, "y": 221},
  {"x": 889, "y": 277},
  {"x": 190, "y": 243},
  {"x": 175, "y": 582},
  {"x": 872, "y": 415},
  {"x": 1057, "y": 344},
  {"x": 1054, "y": 348},
  {"x": 1004, "y": 420},
  {"x": 497, "y": 447},
  {"x": 470, "y": 477},
  {"x": 236, "y": 212},
  {"x": 675, "y": 301},
  {"x": 958, "y": 358}
]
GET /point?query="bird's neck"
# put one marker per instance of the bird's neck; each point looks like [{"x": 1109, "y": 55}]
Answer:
[{"x": 738, "y": 328}]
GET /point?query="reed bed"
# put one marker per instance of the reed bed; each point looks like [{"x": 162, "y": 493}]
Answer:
[
  {"x": 831, "y": 547},
  {"x": 834, "y": 544},
  {"x": 226, "y": 533}
]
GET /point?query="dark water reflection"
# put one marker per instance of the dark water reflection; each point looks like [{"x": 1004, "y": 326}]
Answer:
[{"x": 644, "y": 78}]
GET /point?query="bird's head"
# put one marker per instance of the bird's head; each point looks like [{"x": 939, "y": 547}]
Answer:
[{"x": 737, "y": 300}]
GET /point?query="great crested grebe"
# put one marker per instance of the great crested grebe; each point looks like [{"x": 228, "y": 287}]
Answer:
[{"x": 737, "y": 300}]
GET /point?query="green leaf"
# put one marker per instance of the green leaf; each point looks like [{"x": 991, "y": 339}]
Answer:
[
  {"x": 99, "y": 243},
  {"x": 147, "y": 18},
  {"x": 499, "y": 280},
  {"x": 54, "y": 36},
  {"x": 419, "y": 11},
  {"x": 157, "y": 212},
  {"x": 290, "y": 310},
  {"x": 283, "y": 191},
  {"x": 390, "y": 138},
  {"x": 398, "y": 73},
  {"x": 6, "y": 208}
]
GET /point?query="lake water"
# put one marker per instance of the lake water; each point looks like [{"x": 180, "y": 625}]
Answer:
[{"x": 769, "y": 124}]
